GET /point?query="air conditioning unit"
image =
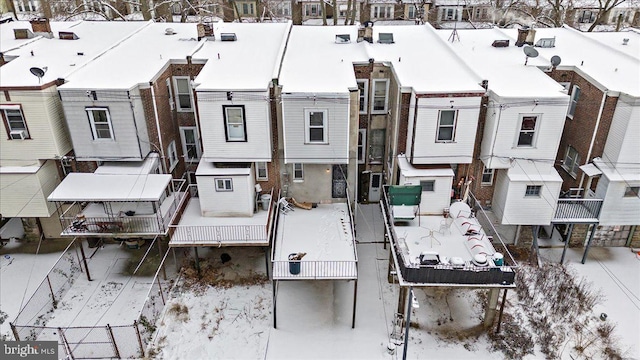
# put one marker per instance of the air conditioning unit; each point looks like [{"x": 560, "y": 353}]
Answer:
[{"x": 18, "y": 135}]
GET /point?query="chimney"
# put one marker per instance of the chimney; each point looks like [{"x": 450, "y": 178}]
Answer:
[
  {"x": 200, "y": 28},
  {"x": 522, "y": 36},
  {"x": 531, "y": 37},
  {"x": 42, "y": 27}
]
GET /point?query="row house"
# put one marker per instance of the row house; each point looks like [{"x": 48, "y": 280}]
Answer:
[
  {"x": 131, "y": 106},
  {"x": 36, "y": 147}
]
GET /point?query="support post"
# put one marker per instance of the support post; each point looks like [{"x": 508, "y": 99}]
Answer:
[
  {"x": 14, "y": 331},
  {"x": 161, "y": 294},
  {"x": 113, "y": 341},
  {"x": 402, "y": 298},
  {"x": 490, "y": 313},
  {"x": 84, "y": 260},
  {"x": 53, "y": 298},
  {"x": 389, "y": 267},
  {"x": 504, "y": 299},
  {"x": 407, "y": 325},
  {"x": 355, "y": 297},
  {"x": 135, "y": 326},
  {"x": 566, "y": 243},
  {"x": 586, "y": 250},
  {"x": 275, "y": 298},
  {"x": 164, "y": 270},
  {"x": 266, "y": 261}
]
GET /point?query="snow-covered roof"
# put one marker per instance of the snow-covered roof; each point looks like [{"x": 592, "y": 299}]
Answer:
[
  {"x": 106, "y": 187},
  {"x": 615, "y": 40},
  {"x": 208, "y": 168},
  {"x": 249, "y": 63},
  {"x": 315, "y": 63},
  {"x": 603, "y": 64},
  {"x": 409, "y": 171},
  {"x": 19, "y": 169},
  {"x": 504, "y": 67},
  {"x": 139, "y": 59},
  {"x": 62, "y": 57}
]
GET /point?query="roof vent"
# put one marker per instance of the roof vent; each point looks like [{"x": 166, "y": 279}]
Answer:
[
  {"x": 228, "y": 37},
  {"x": 385, "y": 38},
  {"x": 546, "y": 42},
  {"x": 169, "y": 31},
  {"x": 22, "y": 34},
  {"x": 625, "y": 41},
  {"x": 67, "y": 35},
  {"x": 343, "y": 39},
  {"x": 500, "y": 43}
]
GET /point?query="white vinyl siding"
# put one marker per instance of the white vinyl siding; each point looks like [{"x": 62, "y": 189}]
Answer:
[
  {"x": 25, "y": 195},
  {"x": 183, "y": 93},
  {"x": 617, "y": 209},
  {"x": 380, "y": 98},
  {"x": 622, "y": 145},
  {"x": 428, "y": 151},
  {"x": 239, "y": 202},
  {"x": 436, "y": 193},
  {"x": 257, "y": 123},
  {"x": 297, "y": 149}
]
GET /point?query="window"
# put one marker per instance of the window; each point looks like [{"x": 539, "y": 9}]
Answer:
[
  {"x": 14, "y": 122},
  {"x": 571, "y": 161},
  {"x": 190, "y": 145},
  {"x": 382, "y": 11},
  {"x": 376, "y": 146},
  {"x": 575, "y": 95},
  {"x": 224, "y": 185},
  {"x": 172, "y": 103},
  {"x": 100, "y": 122},
  {"x": 312, "y": 10},
  {"x": 526, "y": 135},
  {"x": 533, "y": 190},
  {"x": 447, "y": 125},
  {"x": 363, "y": 86},
  {"x": 362, "y": 142},
  {"x": 248, "y": 8},
  {"x": 261, "y": 171},
  {"x": 487, "y": 176},
  {"x": 173, "y": 155},
  {"x": 428, "y": 185},
  {"x": 298, "y": 172},
  {"x": 380, "y": 89},
  {"x": 183, "y": 93},
  {"x": 282, "y": 8},
  {"x": 632, "y": 191},
  {"x": 411, "y": 12},
  {"x": 234, "y": 123},
  {"x": 316, "y": 126}
]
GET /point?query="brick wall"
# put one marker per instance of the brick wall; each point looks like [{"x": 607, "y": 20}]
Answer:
[
  {"x": 635, "y": 237},
  {"x": 273, "y": 168},
  {"x": 578, "y": 235},
  {"x": 403, "y": 125}
]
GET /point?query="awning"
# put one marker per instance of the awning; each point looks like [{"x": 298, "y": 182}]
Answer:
[
  {"x": 106, "y": 187},
  {"x": 590, "y": 170}
]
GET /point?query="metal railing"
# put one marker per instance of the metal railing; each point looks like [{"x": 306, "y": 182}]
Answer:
[
  {"x": 577, "y": 210},
  {"x": 315, "y": 270}
]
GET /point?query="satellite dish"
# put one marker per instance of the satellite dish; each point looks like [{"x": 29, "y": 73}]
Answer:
[
  {"x": 530, "y": 51},
  {"x": 555, "y": 60},
  {"x": 38, "y": 72}
]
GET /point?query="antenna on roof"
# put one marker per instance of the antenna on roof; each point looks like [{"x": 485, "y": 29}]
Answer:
[
  {"x": 530, "y": 52},
  {"x": 38, "y": 72},
  {"x": 454, "y": 34}
]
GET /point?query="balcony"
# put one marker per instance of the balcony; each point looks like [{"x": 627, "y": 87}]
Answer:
[
  {"x": 197, "y": 230},
  {"x": 574, "y": 211}
]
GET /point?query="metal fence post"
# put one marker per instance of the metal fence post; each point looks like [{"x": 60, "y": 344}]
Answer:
[
  {"x": 135, "y": 326},
  {"x": 113, "y": 341},
  {"x": 161, "y": 294},
  {"x": 67, "y": 348},
  {"x": 53, "y": 297},
  {"x": 14, "y": 331}
]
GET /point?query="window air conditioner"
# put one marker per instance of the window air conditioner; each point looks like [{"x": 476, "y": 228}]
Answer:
[{"x": 18, "y": 135}]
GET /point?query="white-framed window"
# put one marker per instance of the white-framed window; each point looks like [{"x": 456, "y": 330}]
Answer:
[
  {"x": 382, "y": 11},
  {"x": 234, "y": 123},
  {"x": 248, "y": 8},
  {"x": 298, "y": 172},
  {"x": 312, "y": 10},
  {"x": 190, "y": 144},
  {"x": 282, "y": 8},
  {"x": 172, "y": 153},
  {"x": 183, "y": 93},
  {"x": 262, "y": 174},
  {"x": 380, "y": 98},
  {"x": 449, "y": 14},
  {"x": 632, "y": 191},
  {"x": 100, "y": 122},
  {"x": 575, "y": 95},
  {"x": 571, "y": 161},
  {"x": 316, "y": 126},
  {"x": 362, "y": 143},
  {"x": 376, "y": 145},
  {"x": 224, "y": 184},
  {"x": 134, "y": 6},
  {"x": 447, "y": 125},
  {"x": 363, "y": 86},
  {"x": 411, "y": 11},
  {"x": 172, "y": 103},
  {"x": 533, "y": 190},
  {"x": 14, "y": 122},
  {"x": 428, "y": 185},
  {"x": 487, "y": 176},
  {"x": 527, "y": 132}
]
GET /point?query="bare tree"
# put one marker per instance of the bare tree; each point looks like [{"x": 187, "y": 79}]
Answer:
[{"x": 604, "y": 7}]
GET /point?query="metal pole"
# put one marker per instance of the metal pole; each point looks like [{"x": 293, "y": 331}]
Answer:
[
  {"x": 164, "y": 270},
  {"x": 275, "y": 297},
  {"x": 586, "y": 250},
  {"x": 84, "y": 260},
  {"x": 135, "y": 326},
  {"x": 161, "y": 294},
  {"x": 113, "y": 341},
  {"x": 566, "y": 243},
  {"x": 504, "y": 298},
  {"x": 266, "y": 261},
  {"x": 406, "y": 331},
  {"x": 14, "y": 331},
  {"x": 355, "y": 297},
  {"x": 53, "y": 298},
  {"x": 65, "y": 343}
]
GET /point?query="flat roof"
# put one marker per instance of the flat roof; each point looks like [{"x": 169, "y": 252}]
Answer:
[
  {"x": 62, "y": 57},
  {"x": 107, "y": 187},
  {"x": 129, "y": 167},
  {"x": 249, "y": 63},
  {"x": 408, "y": 170},
  {"x": 615, "y": 40},
  {"x": 209, "y": 168},
  {"x": 503, "y": 67},
  {"x": 138, "y": 59}
]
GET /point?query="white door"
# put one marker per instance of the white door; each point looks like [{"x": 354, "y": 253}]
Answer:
[{"x": 375, "y": 183}]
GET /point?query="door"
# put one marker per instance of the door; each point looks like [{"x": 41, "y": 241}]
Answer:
[
  {"x": 375, "y": 183},
  {"x": 339, "y": 181}
]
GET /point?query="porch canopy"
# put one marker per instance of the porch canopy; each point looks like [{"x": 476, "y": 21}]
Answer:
[{"x": 108, "y": 187}]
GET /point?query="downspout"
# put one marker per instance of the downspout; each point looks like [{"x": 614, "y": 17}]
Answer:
[
  {"x": 593, "y": 139},
  {"x": 155, "y": 113},
  {"x": 195, "y": 107},
  {"x": 135, "y": 124}
]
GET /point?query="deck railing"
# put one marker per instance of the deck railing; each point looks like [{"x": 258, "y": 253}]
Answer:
[
  {"x": 314, "y": 270},
  {"x": 577, "y": 210}
]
